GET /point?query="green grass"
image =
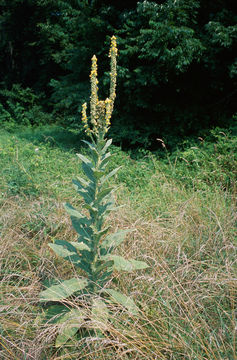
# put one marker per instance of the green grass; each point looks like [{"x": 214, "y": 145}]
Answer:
[{"x": 182, "y": 208}]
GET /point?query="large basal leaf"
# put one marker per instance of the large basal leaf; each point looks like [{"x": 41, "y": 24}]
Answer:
[
  {"x": 120, "y": 263},
  {"x": 113, "y": 240},
  {"x": 99, "y": 314},
  {"x": 71, "y": 323},
  {"x": 104, "y": 277},
  {"x": 53, "y": 313},
  {"x": 123, "y": 300},
  {"x": 63, "y": 290}
]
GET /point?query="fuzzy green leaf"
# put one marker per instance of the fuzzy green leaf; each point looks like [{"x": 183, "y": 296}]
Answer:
[
  {"x": 113, "y": 240},
  {"x": 80, "y": 246},
  {"x": 81, "y": 182},
  {"x": 108, "y": 143},
  {"x": 85, "y": 160},
  {"x": 98, "y": 174},
  {"x": 104, "y": 160},
  {"x": 84, "y": 264},
  {"x": 91, "y": 146},
  {"x": 84, "y": 231},
  {"x": 66, "y": 250},
  {"x": 71, "y": 323},
  {"x": 107, "y": 206},
  {"x": 91, "y": 208},
  {"x": 93, "y": 149},
  {"x": 87, "y": 195},
  {"x": 102, "y": 194},
  {"x": 63, "y": 290},
  {"x": 102, "y": 265},
  {"x": 123, "y": 300},
  {"x": 86, "y": 191},
  {"x": 88, "y": 172},
  {"x": 75, "y": 213},
  {"x": 99, "y": 234},
  {"x": 53, "y": 313},
  {"x": 120, "y": 263},
  {"x": 109, "y": 175},
  {"x": 99, "y": 314},
  {"x": 104, "y": 277}
]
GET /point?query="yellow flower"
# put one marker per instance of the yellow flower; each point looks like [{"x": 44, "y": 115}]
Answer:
[{"x": 101, "y": 111}]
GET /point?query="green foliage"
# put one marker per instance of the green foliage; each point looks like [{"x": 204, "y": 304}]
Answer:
[
  {"x": 177, "y": 63},
  {"x": 92, "y": 253},
  {"x": 21, "y": 107},
  {"x": 211, "y": 162}
]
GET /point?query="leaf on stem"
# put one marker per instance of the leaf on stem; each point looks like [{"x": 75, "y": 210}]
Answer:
[
  {"x": 71, "y": 323},
  {"x": 108, "y": 143},
  {"x": 113, "y": 240},
  {"x": 85, "y": 160},
  {"x": 66, "y": 250},
  {"x": 63, "y": 290},
  {"x": 102, "y": 194},
  {"x": 76, "y": 214},
  {"x": 88, "y": 172},
  {"x": 109, "y": 175},
  {"x": 80, "y": 246},
  {"x": 120, "y": 263},
  {"x": 99, "y": 314},
  {"x": 123, "y": 300}
]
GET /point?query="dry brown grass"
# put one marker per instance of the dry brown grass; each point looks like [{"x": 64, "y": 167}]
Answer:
[{"x": 187, "y": 296}]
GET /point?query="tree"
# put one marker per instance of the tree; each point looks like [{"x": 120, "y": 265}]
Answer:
[{"x": 176, "y": 69}]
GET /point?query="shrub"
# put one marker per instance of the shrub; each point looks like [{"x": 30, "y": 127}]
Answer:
[{"x": 21, "y": 107}]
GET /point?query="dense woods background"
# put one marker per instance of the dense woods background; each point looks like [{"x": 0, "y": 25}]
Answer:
[{"x": 177, "y": 64}]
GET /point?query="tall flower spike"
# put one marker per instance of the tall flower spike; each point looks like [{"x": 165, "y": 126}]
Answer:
[
  {"x": 84, "y": 119},
  {"x": 94, "y": 89},
  {"x": 108, "y": 113},
  {"x": 113, "y": 69},
  {"x": 101, "y": 111}
]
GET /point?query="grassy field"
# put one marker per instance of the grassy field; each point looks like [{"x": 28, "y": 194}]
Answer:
[{"x": 182, "y": 209}]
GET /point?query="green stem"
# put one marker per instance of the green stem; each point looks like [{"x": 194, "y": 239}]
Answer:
[{"x": 99, "y": 143}]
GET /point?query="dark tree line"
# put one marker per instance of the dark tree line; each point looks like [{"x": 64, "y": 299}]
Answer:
[{"x": 177, "y": 63}]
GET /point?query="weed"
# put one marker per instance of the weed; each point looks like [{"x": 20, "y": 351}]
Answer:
[{"x": 83, "y": 304}]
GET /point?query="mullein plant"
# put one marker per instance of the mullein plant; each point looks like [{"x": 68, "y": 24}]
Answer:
[{"x": 84, "y": 301}]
